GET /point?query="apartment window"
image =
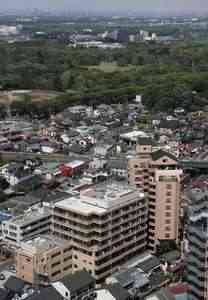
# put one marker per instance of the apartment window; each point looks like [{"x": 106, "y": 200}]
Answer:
[
  {"x": 167, "y": 228},
  {"x": 67, "y": 249},
  {"x": 168, "y": 186},
  {"x": 13, "y": 234},
  {"x": 164, "y": 160},
  {"x": 56, "y": 254},
  {"x": 75, "y": 256},
  {"x": 168, "y": 207},
  {"x": 168, "y": 194},
  {"x": 67, "y": 258},
  {"x": 67, "y": 267},
  {"x": 167, "y": 235},
  {"x": 168, "y": 200},
  {"x": 56, "y": 273},
  {"x": 75, "y": 266},
  {"x": 168, "y": 214},
  {"x": 167, "y": 221},
  {"x": 136, "y": 166},
  {"x": 12, "y": 227},
  {"x": 55, "y": 264}
]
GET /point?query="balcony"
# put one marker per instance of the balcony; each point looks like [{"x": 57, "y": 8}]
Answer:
[
  {"x": 119, "y": 257},
  {"x": 71, "y": 217},
  {"x": 117, "y": 248}
]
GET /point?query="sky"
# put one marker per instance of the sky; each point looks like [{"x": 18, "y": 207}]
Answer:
[{"x": 139, "y": 6}]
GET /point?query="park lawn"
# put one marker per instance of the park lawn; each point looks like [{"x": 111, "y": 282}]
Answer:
[{"x": 111, "y": 67}]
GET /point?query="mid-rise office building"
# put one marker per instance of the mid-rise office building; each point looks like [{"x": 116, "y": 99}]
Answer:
[
  {"x": 197, "y": 263},
  {"x": 43, "y": 259},
  {"x": 158, "y": 174},
  {"x": 106, "y": 225},
  {"x": 33, "y": 223}
]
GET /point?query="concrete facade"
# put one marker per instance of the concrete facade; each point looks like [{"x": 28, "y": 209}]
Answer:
[
  {"x": 157, "y": 173},
  {"x": 43, "y": 259},
  {"x": 33, "y": 223},
  {"x": 106, "y": 226}
]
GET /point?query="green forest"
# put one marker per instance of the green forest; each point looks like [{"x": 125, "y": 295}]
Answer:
[{"x": 167, "y": 75}]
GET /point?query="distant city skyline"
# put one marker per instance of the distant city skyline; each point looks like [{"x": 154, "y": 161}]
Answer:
[{"x": 146, "y": 7}]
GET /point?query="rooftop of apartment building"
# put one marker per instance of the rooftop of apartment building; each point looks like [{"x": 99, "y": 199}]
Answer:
[
  {"x": 43, "y": 243},
  {"x": 100, "y": 198},
  {"x": 32, "y": 215}
]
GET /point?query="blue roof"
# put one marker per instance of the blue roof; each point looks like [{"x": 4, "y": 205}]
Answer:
[
  {"x": 182, "y": 296},
  {"x": 4, "y": 216}
]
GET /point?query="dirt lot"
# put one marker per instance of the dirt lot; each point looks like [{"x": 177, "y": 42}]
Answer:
[{"x": 36, "y": 95}]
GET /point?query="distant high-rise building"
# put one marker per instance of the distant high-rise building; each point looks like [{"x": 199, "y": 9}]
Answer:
[
  {"x": 197, "y": 258},
  {"x": 158, "y": 174}
]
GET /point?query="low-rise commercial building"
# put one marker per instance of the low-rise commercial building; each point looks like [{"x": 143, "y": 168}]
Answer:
[
  {"x": 33, "y": 223},
  {"x": 43, "y": 260}
]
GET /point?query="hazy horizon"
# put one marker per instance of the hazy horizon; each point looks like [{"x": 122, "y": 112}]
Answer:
[{"x": 154, "y": 7}]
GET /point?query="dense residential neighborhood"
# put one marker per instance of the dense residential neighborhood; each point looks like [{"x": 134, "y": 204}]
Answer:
[
  {"x": 91, "y": 194},
  {"x": 103, "y": 157}
]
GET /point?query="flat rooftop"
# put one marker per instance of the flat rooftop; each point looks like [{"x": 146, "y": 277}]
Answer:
[
  {"x": 43, "y": 243},
  {"x": 133, "y": 135},
  {"x": 101, "y": 198},
  {"x": 31, "y": 216},
  {"x": 75, "y": 163}
]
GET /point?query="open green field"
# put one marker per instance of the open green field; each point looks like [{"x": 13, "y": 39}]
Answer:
[{"x": 111, "y": 67}]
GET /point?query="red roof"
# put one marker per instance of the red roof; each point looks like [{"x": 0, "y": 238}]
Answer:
[{"x": 180, "y": 288}]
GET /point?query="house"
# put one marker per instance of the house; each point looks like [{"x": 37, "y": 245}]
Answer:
[
  {"x": 14, "y": 173},
  {"x": 132, "y": 279},
  {"x": 79, "y": 286},
  {"x": 173, "y": 261},
  {"x": 180, "y": 291},
  {"x": 131, "y": 137},
  {"x": 47, "y": 147},
  {"x": 14, "y": 285},
  {"x": 4, "y": 294},
  {"x": 97, "y": 163},
  {"x": 72, "y": 168},
  {"x": 118, "y": 168},
  {"x": 104, "y": 150},
  {"x": 162, "y": 294},
  {"x": 113, "y": 292},
  {"x": 77, "y": 149}
]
